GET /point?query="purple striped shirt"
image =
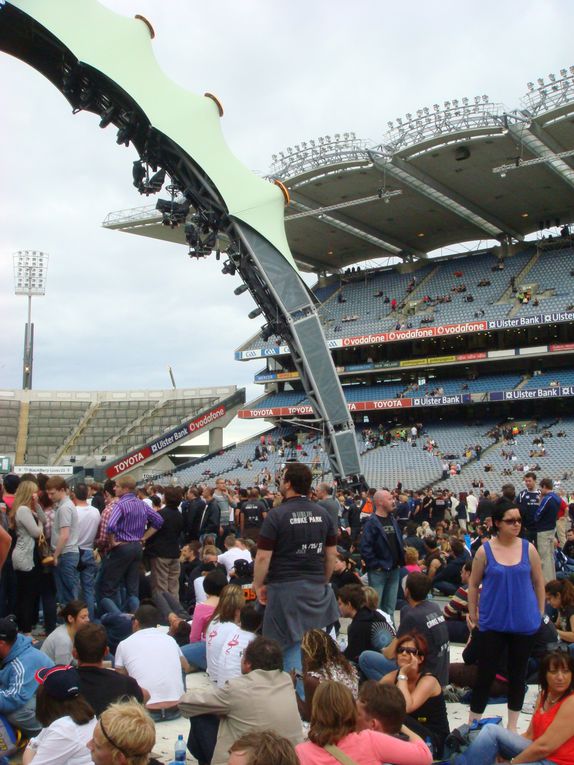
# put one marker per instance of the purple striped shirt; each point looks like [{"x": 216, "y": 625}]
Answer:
[{"x": 130, "y": 517}]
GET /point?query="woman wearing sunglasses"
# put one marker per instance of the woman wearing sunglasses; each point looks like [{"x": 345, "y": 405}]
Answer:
[
  {"x": 510, "y": 609},
  {"x": 426, "y": 708}
]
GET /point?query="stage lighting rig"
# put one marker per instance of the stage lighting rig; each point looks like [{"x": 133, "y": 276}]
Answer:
[
  {"x": 241, "y": 289},
  {"x": 173, "y": 213},
  {"x": 229, "y": 267},
  {"x": 107, "y": 116},
  {"x": 139, "y": 172}
]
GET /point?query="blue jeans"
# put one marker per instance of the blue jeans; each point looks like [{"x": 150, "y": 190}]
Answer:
[
  {"x": 67, "y": 577},
  {"x": 494, "y": 741},
  {"x": 195, "y": 654},
  {"x": 386, "y": 583},
  {"x": 374, "y": 665},
  {"x": 88, "y": 580}
]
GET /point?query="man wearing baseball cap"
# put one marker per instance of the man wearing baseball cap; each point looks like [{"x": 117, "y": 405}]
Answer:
[{"x": 19, "y": 662}]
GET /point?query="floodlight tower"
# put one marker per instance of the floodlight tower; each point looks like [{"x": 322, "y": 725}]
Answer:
[{"x": 30, "y": 273}]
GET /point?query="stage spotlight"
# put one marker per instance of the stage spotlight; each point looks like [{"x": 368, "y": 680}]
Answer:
[
  {"x": 138, "y": 173},
  {"x": 241, "y": 289},
  {"x": 217, "y": 255},
  {"x": 255, "y": 313},
  {"x": 191, "y": 236},
  {"x": 107, "y": 116},
  {"x": 229, "y": 268},
  {"x": 155, "y": 182}
]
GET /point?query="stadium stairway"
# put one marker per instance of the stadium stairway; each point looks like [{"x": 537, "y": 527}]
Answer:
[{"x": 68, "y": 445}]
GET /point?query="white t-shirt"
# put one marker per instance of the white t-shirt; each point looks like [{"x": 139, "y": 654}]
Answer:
[
  {"x": 471, "y": 504},
  {"x": 216, "y": 635},
  {"x": 64, "y": 743},
  {"x": 88, "y": 522},
  {"x": 230, "y": 557},
  {"x": 200, "y": 594},
  {"x": 231, "y": 652},
  {"x": 153, "y": 659}
]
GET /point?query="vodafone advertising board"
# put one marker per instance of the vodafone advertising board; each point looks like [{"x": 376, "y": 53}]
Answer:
[{"x": 165, "y": 441}]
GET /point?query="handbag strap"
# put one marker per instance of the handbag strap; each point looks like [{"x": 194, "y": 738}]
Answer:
[{"x": 339, "y": 755}]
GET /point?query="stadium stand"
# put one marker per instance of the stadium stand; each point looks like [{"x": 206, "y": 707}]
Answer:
[{"x": 9, "y": 416}]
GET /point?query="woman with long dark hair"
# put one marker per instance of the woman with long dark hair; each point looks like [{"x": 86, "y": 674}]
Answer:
[{"x": 510, "y": 610}]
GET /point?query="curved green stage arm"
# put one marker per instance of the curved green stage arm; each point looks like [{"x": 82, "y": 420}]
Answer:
[{"x": 103, "y": 63}]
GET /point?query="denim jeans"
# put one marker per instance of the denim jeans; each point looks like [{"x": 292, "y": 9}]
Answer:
[
  {"x": 195, "y": 654},
  {"x": 386, "y": 583},
  {"x": 88, "y": 573},
  {"x": 374, "y": 665},
  {"x": 121, "y": 566},
  {"x": 67, "y": 577},
  {"x": 494, "y": 741}
]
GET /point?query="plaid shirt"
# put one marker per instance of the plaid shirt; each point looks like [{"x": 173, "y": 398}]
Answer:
[{"x": 103, "y": 541}]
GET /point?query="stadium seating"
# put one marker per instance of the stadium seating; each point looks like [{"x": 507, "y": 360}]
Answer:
[
  {"x": 50, "y": 425},
  {"x": 9, "y": 414}
]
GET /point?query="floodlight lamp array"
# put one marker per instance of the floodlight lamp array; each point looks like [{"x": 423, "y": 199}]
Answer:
[
  {"x": 545, "y": 96},
  {"x": 320, "y": 152},
  {"x": 452, "y": 117},
  {"x": 30, "y": 272}
]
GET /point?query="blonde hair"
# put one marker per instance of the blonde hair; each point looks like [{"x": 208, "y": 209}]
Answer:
[
  {"x": 22, "y": 498},
  {"x": 126, "y": 482},
  {"x": 129, "y": 730},
  {"x": 411, "y": 555},
  {"x": 371, "y": 598},
  {"x": 231, "y": 601}
]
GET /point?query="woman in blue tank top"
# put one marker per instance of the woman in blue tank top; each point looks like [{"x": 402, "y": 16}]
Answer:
[{"x": 510, "y": 609}]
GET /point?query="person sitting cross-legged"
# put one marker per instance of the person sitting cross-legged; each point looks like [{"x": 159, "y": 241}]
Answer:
[
  {"x": 263, "y": 697},
  {"x": 98, "y": 685}
]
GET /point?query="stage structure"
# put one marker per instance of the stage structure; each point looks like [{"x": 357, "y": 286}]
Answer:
[{"x": 103, "y": 63}]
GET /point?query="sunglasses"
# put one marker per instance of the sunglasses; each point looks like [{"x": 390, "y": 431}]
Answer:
[
  {"x": 410, "y": 651},
  {"x": 512, "y": 521}
]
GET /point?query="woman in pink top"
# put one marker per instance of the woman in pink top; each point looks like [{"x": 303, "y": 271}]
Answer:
[
  {"x": 333, "y": 724},
  {"x": 412, "y": 560},
  {"x": 213, "y": 584}
]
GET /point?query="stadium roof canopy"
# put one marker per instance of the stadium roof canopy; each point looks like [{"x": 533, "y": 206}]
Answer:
[{"x": 463, "y": 171}]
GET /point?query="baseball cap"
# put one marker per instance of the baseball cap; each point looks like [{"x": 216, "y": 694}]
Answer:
[
  {"x": 8, "y": 629},
  {"x": 61, "y": 682}
]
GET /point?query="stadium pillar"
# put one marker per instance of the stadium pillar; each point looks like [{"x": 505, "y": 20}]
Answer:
[{"x": 215, "y": 439}]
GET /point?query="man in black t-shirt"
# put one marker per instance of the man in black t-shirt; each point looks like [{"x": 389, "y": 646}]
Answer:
[
  {"x": 527, "y": 502},
  {"x": 296, "y": 554},
  {"x": 100, "y": 686},
  {"x": 252, "y": 515}
]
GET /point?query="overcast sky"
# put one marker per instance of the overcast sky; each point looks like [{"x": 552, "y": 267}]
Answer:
[{"x": 119, "y": 308}]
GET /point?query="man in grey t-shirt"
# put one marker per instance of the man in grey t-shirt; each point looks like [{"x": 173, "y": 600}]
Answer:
[{"x": 64, "y": 540}]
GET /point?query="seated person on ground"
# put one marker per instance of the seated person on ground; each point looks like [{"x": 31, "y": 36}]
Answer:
[
  {"x": 334, "y": 724},
  {"x": 124, "y": 735},
  {"x": 366, "y": 622},
  {"x": 382, "y": 708},
  {"x": 560, "y": 596},
  {"x": 98, "y": 685},
  {"x": 456, "y": 610},
  {"x": 155, "y": 661},
  {"x": 549, "y": 738},
  {"x": 425, "y": 703},
  {"x": 322, "y": 660},
  {"x": 263, "y": 747},
  {"x": 19, "y": 663},
  {"x": 58, "y": 645},
  {"x": 263, "y": 697}
]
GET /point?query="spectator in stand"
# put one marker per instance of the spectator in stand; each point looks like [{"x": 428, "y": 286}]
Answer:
[
  {"x": 419, "y": 615},
  {"x": 323, "y": 661},
  {"x": 425, "y": 702},
  {"x": 511, "y": 609},
  {"x": 98, "y": 685},
  {"x": 456, "y": 610},
  {"x": 162, "y": 545},
  {"x": 333, "y": 735},
  {"x": 382, "y": 550},
  {"x": 545, "y": 517},
  {"x": 549, "y": 738},
  {"x": 560, "y": 597},
  {"x": 88, "y": 524},
  {"x": 527, "y": 502}
]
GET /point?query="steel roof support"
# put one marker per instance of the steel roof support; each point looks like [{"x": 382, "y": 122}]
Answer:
[{"x": 537, "y": 141}]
